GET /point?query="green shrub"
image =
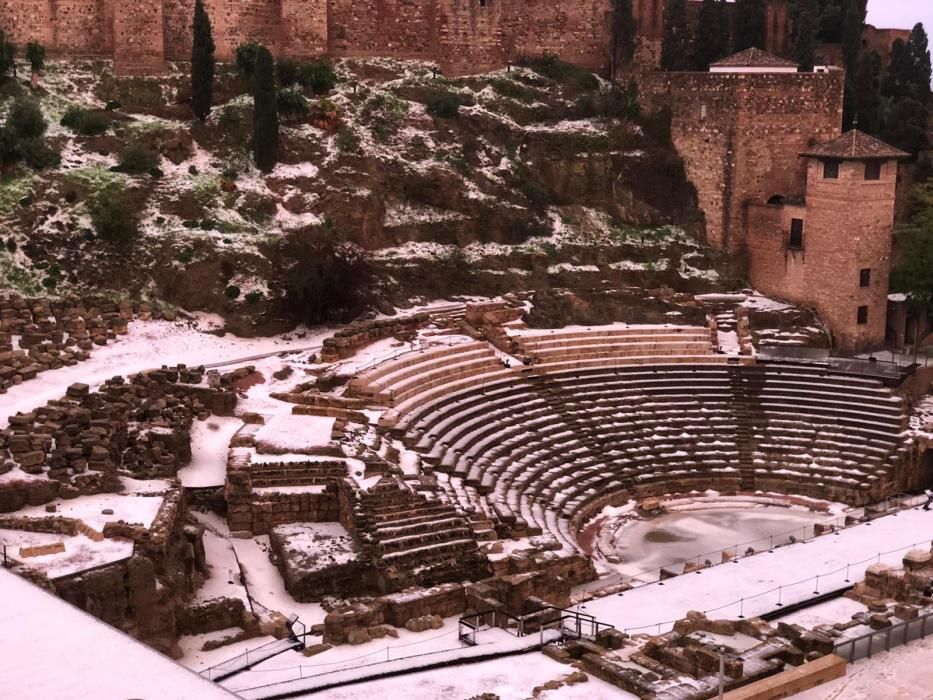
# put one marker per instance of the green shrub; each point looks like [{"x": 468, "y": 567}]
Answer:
[
  {"x": 532, "y": 189},
  {"x": 85, "y": 122},
  {"x": 232, "y": 292},
  {"x": 138, "y": 159},
  {"x": 509, "y": 88},
  {"x": 293, "y": 103},
  {"x": 318, "y": 76},
  {"x": 7, "y": 54},
  {"x": 253, "y": 297},
  {"x": 246, "y": 54},
  {"x": 348, "y": 141},
  {"x": 114, "y": 217},
  {"x": 37, "y": 154},
  {"x": 443, "y": 104},
  {"x": 35, "y": 54},
  {"x": 25, "y": 119},
  {"x": 384, "y": 111},
  {"x": 550, "y": 66},
  {"x": 286, "y": 71}
]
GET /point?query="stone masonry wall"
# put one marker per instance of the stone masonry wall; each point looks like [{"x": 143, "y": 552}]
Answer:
[
  {"x": 740, "y": 136},
  {"x": 463, "y": 36}
]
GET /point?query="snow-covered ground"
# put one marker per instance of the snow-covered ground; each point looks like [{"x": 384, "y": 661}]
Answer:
[
  {"x": 756, "y": 584},
  {"x": 209, "y": 441},
  {"x": 148, "y": 345},
  {"x": 904, "y": 673}
]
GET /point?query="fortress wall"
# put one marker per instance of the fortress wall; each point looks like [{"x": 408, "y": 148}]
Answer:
[
  {"x": 232, "y": 21},
  {"x": 141, "y": 49},
  {"x": 471, "y": 37},
  {"x": 739, "y": 136},
  {"x": 304, "y": 28},
  {"x": 28, "y": 20},
  {"x": 82, "y": 27},
  {"x": 576, "y": 30},
  {"x": 396, "y": 28}
]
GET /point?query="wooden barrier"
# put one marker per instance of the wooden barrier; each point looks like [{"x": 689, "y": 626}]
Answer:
[{"x": 792, "y": 681}]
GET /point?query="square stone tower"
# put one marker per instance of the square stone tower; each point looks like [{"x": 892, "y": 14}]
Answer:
[{"x": 832, "y": 249}]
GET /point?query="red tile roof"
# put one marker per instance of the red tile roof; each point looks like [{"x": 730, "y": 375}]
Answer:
[
  {"x": 754, "y": 58},
  {"x": 855, "y": 145}
]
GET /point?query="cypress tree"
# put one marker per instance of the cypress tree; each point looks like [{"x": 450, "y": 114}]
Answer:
[
  {"x": 805, "y": 29},
  {"x": 202, "y": 63},
  {"x": 750, "y": 25},
  {"x": 897, "y": 81},
  {"x": 623, "y": 35},
  {"x": 867, "y": 93},
  {"x": 852, "y": 25},
  {"x": 675, "y": 50},
  {"x": 711, "y": 42},
  {"x": 918, "y": 49},
  {"x": 266, "y": 116}
]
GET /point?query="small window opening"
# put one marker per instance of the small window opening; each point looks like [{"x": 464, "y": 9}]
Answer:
[
  {"x": 864, "y": 277},
  {"x": 831, "y": 170},
  {"x": 796, "y": 233},
  {"x": 873, "y": 170},
  {"x": 862, "y": 316}
]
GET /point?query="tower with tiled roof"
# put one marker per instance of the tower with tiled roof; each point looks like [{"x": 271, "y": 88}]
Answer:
[{"x": 832, "y": 249}]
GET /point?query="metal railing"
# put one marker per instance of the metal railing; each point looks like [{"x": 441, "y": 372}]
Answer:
[
  {"x": 898, "y": 634},
  {"x": 572, "y": 624},
  {"x": 790, "y": 593}
]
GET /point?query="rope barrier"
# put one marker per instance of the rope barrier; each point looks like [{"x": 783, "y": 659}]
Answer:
[{"x": 780, "y": 588}]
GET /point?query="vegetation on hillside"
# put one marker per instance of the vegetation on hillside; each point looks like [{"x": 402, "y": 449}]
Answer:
[{"x": 202, "y": 63}]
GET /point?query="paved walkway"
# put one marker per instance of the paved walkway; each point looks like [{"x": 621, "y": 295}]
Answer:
[{"x": 757, "y": 584}]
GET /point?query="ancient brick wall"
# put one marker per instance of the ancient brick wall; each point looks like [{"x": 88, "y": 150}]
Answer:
[
  {"x": 29, "y": 20},
  {"x": 81, "y": 27},
  {"x": 776, "y": 268},
  {"x": 141, "y": 50},
  {"x": 576, "y": 30},
  {"x": 304, "y": 27},
  {"x": 397, "y": 28},
  {"x": 740, "y": 136},
  {"x": 461, "y": 35}
]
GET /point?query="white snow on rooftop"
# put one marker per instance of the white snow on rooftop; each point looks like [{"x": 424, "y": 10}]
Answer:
[{"x": 291, "y": 433}]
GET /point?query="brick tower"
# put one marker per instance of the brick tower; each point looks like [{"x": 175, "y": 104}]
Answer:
[{"x": 832, "y": 248}]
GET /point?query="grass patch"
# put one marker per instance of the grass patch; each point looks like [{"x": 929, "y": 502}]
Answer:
[
  {"x": 12, "y": 190},
  {"x": 94, "y": 180}
]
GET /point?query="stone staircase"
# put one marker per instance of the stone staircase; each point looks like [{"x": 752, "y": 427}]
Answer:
[{"x": 413, "y": 540}]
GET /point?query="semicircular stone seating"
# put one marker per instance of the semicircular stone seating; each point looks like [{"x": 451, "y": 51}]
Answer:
[{"x": 604, "y": 415}]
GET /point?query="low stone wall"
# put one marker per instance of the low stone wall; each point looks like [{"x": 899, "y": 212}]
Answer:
[
  {"x": 273, "y": 509},
  {"x": 17, "y": 494},
  {"x": 347, "y": 341},
  {"x": 347, "y": 622},
  {"x": 212, "y": 616},
  {"x": 53, "y": 524},
  {"x": 59, "y": 332}
]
